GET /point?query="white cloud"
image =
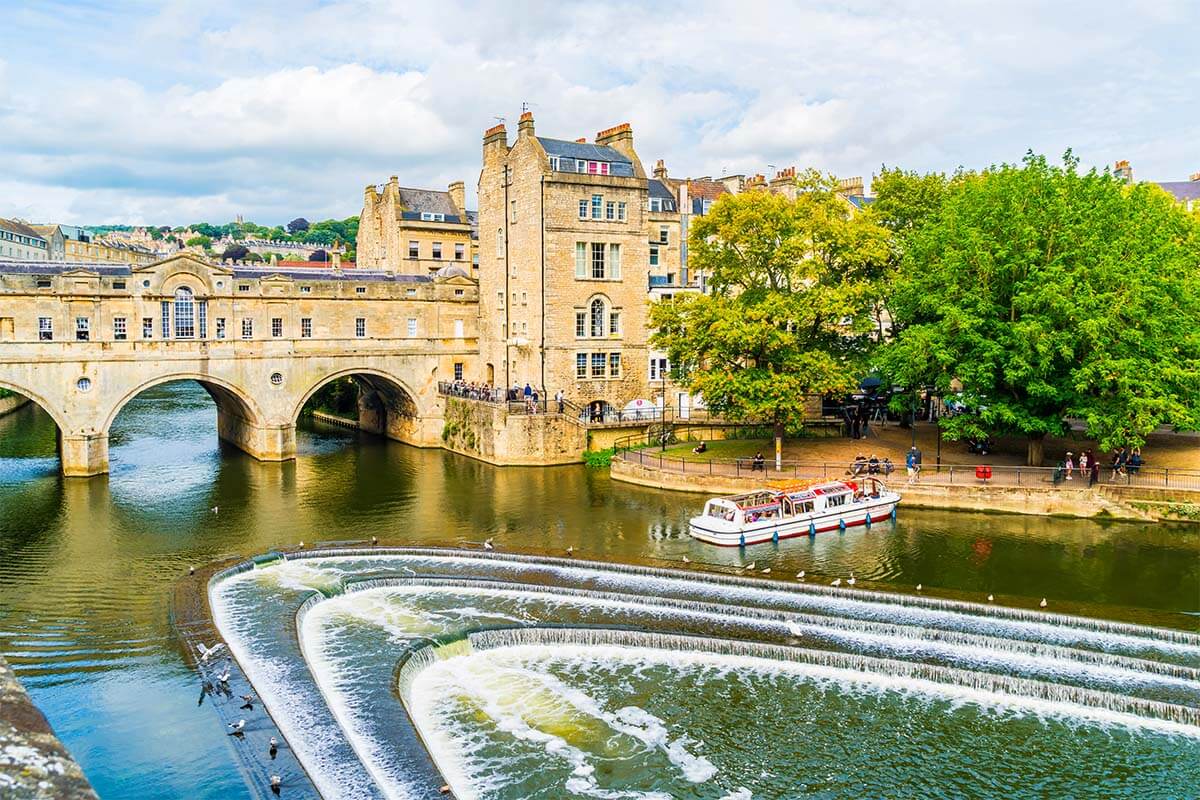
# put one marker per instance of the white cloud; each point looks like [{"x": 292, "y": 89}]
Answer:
[{"x": 273, "y": 109}]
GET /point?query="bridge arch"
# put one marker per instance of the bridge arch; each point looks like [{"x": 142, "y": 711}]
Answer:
[
  {"x": 53, "y": 411},
  {"x": 387, "y": 406},
  {"x": 232, "y": 400}
]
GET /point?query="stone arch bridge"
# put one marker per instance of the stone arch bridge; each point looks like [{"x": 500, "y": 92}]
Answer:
[{"x": 83, "y": 340}]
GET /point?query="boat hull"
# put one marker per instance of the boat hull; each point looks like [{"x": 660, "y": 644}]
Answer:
[{"x": 718, "y": 532}]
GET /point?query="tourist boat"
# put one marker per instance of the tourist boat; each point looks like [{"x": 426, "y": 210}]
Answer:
[{"x": 793, "y": 509}]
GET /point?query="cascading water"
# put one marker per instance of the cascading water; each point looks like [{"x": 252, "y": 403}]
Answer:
[{"x": 580, "y": 679}]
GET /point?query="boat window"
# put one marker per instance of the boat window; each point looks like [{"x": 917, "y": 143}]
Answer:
[
  {"x": 804, "y": 508},
  {"x": 835, "y": 500}
]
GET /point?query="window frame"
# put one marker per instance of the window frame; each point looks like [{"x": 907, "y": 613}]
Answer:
[
  {"x": 360, "y": 327},
  {"x": 276, "y": 327},
  {"x": 247, "y": 328},
  {"x": 414, "y": 248},
  {"x": 599, "y": 365},
  {"x": 614, "y": 365},
  {"x": 45, "y": 329},
  {"x": 220, "y": 327},
  {"x": 306, "y": 327},
  {"x": 147, "y": 327},
  {"x": 599, "y": 267},
  {"x": 120, "y": 329}
]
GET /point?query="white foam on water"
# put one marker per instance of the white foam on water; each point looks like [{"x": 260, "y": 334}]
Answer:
[
  {"x": 290, "y": 706},
  {"x": 741, "y": 793}
]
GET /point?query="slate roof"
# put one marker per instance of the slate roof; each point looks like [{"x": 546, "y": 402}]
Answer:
[
  {"x": 428, "y": 201},
  {"x": 59, "y": 267},
  {"x": 1183, "y": 190},
  {"x": 21, "y": 228},
  {"x": 859, "y": 201},
  {"x": 663, "y": 192},
  {"x": 583, "y": 150},
  {"x": 358, "y": 275}
]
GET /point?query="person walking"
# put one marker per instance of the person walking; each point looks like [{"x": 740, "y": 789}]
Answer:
[
  {"x": 913, "y": 468},
  {"x": 560, "y": 398},
  {"x": 1069, "y": 464}
]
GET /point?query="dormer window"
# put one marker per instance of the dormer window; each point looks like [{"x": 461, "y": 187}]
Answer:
[
  {"x": 554, "y": 162},
  {"x": 592, "y": 167},
  {"x": 656, "y": 204},
  {"x": 428, "y": 216}
]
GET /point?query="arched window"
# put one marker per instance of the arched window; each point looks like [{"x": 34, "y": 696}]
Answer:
[
  {"x": 598, "y": 317},
  {"x": 185, "y": 314}
]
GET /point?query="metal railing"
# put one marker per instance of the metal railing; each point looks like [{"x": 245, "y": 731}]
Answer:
[{"x": 946, "y": 474}]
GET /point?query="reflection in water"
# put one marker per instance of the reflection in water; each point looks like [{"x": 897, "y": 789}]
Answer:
[{"x": 86, "y": 566}]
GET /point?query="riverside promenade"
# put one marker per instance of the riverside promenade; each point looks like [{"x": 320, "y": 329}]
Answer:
[
  {"x": 996, "y": 482},
  {"x": 34, "y": 764}
]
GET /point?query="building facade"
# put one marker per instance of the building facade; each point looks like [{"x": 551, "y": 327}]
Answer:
[
  {"x": 20, "y": 242},
  {"x": 414, "y": 231},
  {"x": 564, "y": 266}
]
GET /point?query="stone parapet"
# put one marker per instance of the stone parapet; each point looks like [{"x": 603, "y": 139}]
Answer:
[{"x": 34, "y": 764}]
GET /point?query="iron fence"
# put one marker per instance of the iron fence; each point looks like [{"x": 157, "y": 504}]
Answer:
[{"x": 947, "y": 474}]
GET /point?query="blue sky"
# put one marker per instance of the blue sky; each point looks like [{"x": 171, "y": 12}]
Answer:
[{"x": 180, "y": 111}]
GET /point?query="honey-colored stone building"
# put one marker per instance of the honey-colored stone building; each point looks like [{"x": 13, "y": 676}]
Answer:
[
  {"x": 414, "y": 231},
  {"x": 563, "y": 266}
]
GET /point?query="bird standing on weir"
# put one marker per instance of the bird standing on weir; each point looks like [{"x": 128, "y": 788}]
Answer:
[{"x": 487, "y": 544}]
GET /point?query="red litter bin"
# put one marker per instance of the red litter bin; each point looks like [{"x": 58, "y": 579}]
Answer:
[{"x": 983, "y": 473}]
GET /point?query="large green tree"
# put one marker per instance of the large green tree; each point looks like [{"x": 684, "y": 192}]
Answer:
[
  {"x": 1051, "y": 294},
  {"x": 788, "y": 307}
]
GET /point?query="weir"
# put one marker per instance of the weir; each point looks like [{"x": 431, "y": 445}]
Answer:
[{"x": 462, "y": 604}]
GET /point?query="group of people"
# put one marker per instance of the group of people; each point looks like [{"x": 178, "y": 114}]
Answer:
[
  {"x": 870, "y": 466},
  {"x": 475, "y": 391},
  {"x": 1123, "y": 462}
]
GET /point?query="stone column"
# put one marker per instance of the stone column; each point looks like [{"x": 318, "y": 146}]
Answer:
[
  {"x": 83, "y": 454},
  {"x": 264, "y": 442}
]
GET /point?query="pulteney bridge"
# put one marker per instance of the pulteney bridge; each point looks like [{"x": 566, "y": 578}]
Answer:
[{"x": 81, "y": 340}]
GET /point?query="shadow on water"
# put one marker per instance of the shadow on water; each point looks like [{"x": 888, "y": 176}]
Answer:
[{"x": 87, "y": 566}]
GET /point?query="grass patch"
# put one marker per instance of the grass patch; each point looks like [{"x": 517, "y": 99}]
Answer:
[
  {"x": 724, "y": 449},
  {"x": 599, "y": 459}
]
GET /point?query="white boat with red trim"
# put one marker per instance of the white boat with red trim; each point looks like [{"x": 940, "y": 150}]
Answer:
[{"x": 794, "y": 509}]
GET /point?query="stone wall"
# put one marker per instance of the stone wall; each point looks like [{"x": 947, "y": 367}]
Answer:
[
  {"x": 487, "y": 432},
  {"x": 12, "y": 403},
  {"x": 34, "y": 764}
]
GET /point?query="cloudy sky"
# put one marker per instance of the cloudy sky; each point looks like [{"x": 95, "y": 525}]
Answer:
[{"x": 197, "y": 110}]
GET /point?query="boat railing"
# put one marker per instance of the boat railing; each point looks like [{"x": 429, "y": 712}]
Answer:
[{"x": 948, "y": 474}]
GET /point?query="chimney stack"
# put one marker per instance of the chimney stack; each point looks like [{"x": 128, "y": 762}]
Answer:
[
  {"x": 851, "y": 187},
  {"x": 1123, "y": 171},
  {"x": 457, "y": 194},
  {"x": 495, "y": 138},
  {"x": 619, "y": 138},
  {"x": 525, "y": 125},
  {"x": 660, "y": 170}
]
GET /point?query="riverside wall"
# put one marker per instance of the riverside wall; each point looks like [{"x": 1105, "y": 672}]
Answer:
[
  {"x": 12, "y": 403},
  {"x": 34, "y": 764},
  {"x": 1140, "y": 504}
]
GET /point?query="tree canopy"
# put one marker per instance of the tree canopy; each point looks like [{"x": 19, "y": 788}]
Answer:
[
  {"x": 234, "y": 252},
  {"x": 298, "y": 225},
  {"x": 1049, "y": 294},
  {"x": 788, "y": 311}
]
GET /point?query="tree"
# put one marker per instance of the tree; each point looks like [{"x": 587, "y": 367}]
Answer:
[
  {"x": 1050, "y": 295},
  {"x": 318, "y": 255},
  {"x": 788, "y": 316},
  {"x": 235, "y": 252},
  {"x": 298, "y": 225},
  {"x": 199, "y": 241}
]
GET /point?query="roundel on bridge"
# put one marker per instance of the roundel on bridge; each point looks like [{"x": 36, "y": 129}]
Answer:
[{"x": 277, "y": 378}]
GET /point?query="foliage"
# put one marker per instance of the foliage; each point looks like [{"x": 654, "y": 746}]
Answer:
[
  {"x": 1048, "y": 294},
  {"x": 598, "y": 459},
  {"x": 788, "y": 317},
  {"x": 199, "y": 241},
  {"x": 235, "y": 252},
  {"x": 298, "y": 225},
  {"x": 318, "y": 255},
  {"x": 339, "y": 397}
]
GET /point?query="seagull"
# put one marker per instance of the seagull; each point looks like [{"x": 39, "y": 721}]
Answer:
[
  {"x": 208, "y": 652},
  {"x": 766, "y": 571},
  {"x": 224, "y": 676},
  {"x": 276, "y": 783},
  {"x": 249, "y": 702},
  {"x": 793, "y": 628},
  {"x": 570, "y": 550},
  {"x": 274, "y": 748},
  {"x": 191, "y": 570},
  {"x": 235, "y": 728},
  {"x": 800, "y": 575},
  {"x": 749, "y": 566},
  {"x": 836, "y": 582},
  {"x": 918, "y": 587},
  {"x": 302, "y": 545},
  {"x": 487, "y": 544},
  {"x": 851, "y": 580},
  {"x": 216, "y": 509},
  {"x": 1043, "y": 603},
  {"x": 445, "y": 788},
  {"x": 687, "y": 560},
  {"x": 990, "y": 598},
  {"x": 374, "y": 540}
]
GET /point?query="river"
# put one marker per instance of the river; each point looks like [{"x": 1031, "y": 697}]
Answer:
[{"x": 87, "y": 566}]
